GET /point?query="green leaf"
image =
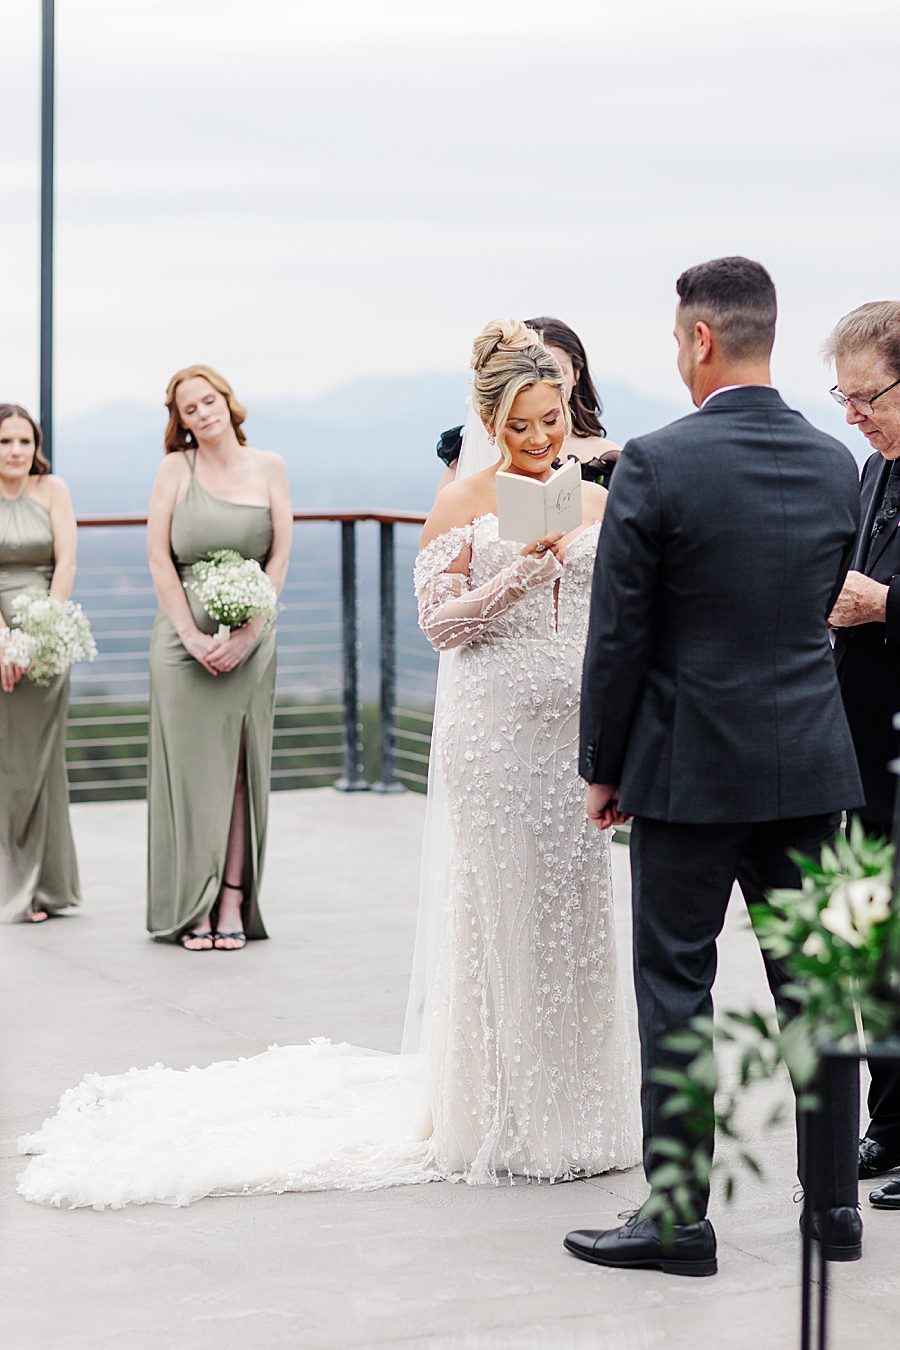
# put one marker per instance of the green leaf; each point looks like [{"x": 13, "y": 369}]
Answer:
[
  {"x": 752, "y": 1165},
  {"x": 683, "y": 1203},
  {"x": 676, "y": 1078},
  {"x": 763, "y": 1026},
  {"x": 676, "y": 1105},
  {"x": 655, "y": 1205},
  {"x": 703, "y": 1072},
  {"x": 684, "y": 1042},
  {"x": 667, "y": 1176},
  {"x": 798, "y": 1052},
  {"x": 750, "y": 1059},
  {"x": 671, "y": 1148}
]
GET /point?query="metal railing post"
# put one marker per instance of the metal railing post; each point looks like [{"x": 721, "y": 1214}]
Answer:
[
  {"x": 47, "y": 153},
  {"x": 387, "y": 780},
  {"x": 352, "y": 779}
]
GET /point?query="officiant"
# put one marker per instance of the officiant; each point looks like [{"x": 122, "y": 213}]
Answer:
[{"x": 865, "y": 347}]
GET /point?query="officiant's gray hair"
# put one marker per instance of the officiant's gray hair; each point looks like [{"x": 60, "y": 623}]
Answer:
[
  {"x": 507, "y": 357},
  {"x": 874, "y": 327}
]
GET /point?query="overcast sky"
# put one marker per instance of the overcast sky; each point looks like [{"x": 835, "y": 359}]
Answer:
[{"x": 303, "y": 193}]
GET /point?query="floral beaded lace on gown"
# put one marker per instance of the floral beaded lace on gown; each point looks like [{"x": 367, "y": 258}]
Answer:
[{"x": 526, "y": 1065}]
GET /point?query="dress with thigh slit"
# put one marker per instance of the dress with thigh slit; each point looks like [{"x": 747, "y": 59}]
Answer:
[{"x": 197, "y": 723}]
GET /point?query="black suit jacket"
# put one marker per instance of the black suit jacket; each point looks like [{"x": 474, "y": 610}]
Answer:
[
  {"x": 868, "y": 656},
  {"x": 710, "y": 692}
]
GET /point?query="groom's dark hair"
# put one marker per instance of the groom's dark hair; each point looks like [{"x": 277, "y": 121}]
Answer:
[{"x": 736, "y": 297}]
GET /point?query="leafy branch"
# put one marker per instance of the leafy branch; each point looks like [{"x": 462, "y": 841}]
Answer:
[{"x": 839, "y": 937}]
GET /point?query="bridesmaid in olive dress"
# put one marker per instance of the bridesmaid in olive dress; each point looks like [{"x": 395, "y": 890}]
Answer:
[
  {"x": 38, "y": 869},
  {"x": 211, "y": 702}
]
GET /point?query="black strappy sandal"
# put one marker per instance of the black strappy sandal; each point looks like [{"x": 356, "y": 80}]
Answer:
[
  {"x": 233, "y": 936},
  {"x": 184, "y": 938},
  {"x": 237, "y": 936}
]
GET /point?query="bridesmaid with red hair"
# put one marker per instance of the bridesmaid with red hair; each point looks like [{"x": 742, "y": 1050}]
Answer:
[{"x": 212, "y": 702}]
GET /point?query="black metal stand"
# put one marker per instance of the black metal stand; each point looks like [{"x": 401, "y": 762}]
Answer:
[{"x": 814, "y": 1267}]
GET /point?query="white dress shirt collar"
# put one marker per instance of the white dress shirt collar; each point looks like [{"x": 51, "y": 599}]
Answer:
[{"x": 727, "y": 387}]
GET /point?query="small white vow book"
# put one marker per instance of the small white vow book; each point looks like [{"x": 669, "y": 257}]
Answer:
[{"x": 527, "y": 509}]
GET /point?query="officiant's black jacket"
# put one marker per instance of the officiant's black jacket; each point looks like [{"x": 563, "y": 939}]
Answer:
[
  {"x": 710, "y": 693},
  {"x": 868, "y": 656}
]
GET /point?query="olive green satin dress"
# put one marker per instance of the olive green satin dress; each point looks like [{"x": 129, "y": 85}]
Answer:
[
  {"x": 196, "y": 724},
  {"x": 38, "y": 868}
]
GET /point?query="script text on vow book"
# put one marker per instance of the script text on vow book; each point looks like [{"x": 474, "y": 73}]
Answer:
[{"x": 527, "y": 509}]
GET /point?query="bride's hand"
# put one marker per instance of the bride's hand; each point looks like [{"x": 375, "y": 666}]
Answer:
[{"x": 541, "y": 546}]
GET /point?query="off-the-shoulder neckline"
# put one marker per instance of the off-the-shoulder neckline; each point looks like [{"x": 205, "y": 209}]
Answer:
[{"x": 492, "y": 515}]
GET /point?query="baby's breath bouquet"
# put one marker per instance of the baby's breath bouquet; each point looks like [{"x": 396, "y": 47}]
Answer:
[
  {"x": 47, "y": 636},
  {"x": 233, "y": 589}
]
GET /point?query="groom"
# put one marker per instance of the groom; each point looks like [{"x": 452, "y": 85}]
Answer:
[{"x": 710, "y": 707}]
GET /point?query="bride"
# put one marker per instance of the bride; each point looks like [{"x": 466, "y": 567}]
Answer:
[{"x": 517, "y": 1044}]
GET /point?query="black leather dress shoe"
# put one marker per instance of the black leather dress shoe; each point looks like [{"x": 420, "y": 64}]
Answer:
[
  {"x": 875, "y": 1159},
  {"x": 638, "y": 1245},
  {"x": 840, "y": 1233},
  {"x": 886, "y": 1197}
]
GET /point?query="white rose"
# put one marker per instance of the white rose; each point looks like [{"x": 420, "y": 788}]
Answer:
[
  {"x": 870, "y": 903},
  {"x": 854, "y": 909}
]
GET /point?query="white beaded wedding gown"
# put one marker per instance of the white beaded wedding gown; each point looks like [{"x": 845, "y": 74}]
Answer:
[{"x": 526, "y": 1065}]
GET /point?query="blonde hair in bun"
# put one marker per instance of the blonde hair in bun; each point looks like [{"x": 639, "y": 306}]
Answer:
[{"x": 507, "y": 357}]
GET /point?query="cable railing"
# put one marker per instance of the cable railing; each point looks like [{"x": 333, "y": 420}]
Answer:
[{"x": 354, "y": 691}]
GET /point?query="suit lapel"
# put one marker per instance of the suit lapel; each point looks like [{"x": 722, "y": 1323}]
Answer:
[
  {"x": 881, "y": 543},
  {"x": 870, "y": 502}
]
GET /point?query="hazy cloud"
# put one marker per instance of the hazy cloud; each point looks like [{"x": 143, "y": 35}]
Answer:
[{"x": 305, "y": 193}]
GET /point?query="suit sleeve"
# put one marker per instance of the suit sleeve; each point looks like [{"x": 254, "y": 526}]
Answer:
[
  {"x": 892, "y": 616},
  {"x": 846, "y": 563},
  {"x": 623, "y": 596}
]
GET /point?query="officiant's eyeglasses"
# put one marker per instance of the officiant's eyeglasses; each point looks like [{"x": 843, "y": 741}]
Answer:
[{"x": 860, "y": 405}]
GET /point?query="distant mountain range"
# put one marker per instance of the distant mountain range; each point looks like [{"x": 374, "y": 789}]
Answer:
[{"x": 366, "y": 445}]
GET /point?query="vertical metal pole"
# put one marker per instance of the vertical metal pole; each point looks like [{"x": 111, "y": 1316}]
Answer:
[
  {"x": 352, "y": 780},
  {"x": 814, "y": 1268},
  {"x": 387, "y": 781},
  {"x": 804, "y": 1125},
  {"x": 47, "y": 138},
  {"x": 826, "y": 1071}
]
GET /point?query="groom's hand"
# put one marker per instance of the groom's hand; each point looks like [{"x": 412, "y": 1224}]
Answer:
[{"x": 602, "y": 805}]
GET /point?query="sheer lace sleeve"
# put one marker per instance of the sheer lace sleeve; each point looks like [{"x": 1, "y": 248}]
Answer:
[{"x": 451, "y": 612}]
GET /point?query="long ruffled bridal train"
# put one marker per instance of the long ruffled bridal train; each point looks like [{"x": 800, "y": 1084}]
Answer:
[
  {"x": 525, "y": 1063},
  {"x": 297, "y": 1118}
]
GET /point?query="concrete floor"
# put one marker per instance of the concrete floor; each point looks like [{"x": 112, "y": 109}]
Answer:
[{"x": 437, "y": 1267}]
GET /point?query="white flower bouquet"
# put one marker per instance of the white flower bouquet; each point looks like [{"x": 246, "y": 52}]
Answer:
[
  {"x": 233, "y": 589},
  {"x": 47, "y": 636}
]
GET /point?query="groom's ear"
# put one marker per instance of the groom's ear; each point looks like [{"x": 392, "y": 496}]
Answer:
[{"x": 704, "y": 340}]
